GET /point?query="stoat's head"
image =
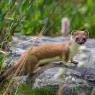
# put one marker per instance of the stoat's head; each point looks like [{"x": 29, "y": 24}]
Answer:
[{"x": 80, "y": 37}]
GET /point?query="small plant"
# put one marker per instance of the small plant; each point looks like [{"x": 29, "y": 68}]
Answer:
[
  {"x": 24, "y": 89},
  {"x": 2, "y": 58}
]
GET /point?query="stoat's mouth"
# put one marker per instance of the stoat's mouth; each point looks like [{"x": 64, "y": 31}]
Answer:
[{"x": 81, "y": 43}]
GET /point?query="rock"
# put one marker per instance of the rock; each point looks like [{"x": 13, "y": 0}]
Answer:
[
  {"x": 70, "y": 77},
  {"x": 73, "y": 89},
  {"x": 17, "y": 81}
]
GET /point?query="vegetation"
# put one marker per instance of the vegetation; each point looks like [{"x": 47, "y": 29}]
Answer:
[
  {"x": 30, "y": 16},
  {"x": 25, "y": 90}
]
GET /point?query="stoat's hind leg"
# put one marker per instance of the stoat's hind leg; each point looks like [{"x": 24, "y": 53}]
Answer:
[{"x": 30, "y": 64}]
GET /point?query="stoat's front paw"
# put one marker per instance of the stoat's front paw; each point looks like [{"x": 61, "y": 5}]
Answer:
[{"x": 74, "y": 62}]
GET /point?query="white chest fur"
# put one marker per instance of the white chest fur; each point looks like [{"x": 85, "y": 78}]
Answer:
[
  {"x": 84, "y": 57},
  {"x": 74, "y": 47}
]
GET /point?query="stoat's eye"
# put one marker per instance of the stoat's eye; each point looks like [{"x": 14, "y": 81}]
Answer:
[
  {"x": 84, "y": 39},
  {"x": 77, "y": 39}
]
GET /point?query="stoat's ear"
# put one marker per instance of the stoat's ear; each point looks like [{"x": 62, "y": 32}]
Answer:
[
  {"x": 73, "y": 32},
  {"x": 87, "y": 33}
]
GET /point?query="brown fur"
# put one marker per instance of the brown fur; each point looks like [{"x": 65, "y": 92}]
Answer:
[{"x": 30, "y": 58}]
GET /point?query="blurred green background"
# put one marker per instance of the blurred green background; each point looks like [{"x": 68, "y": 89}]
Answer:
[{"x": 30, "y": 16}]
